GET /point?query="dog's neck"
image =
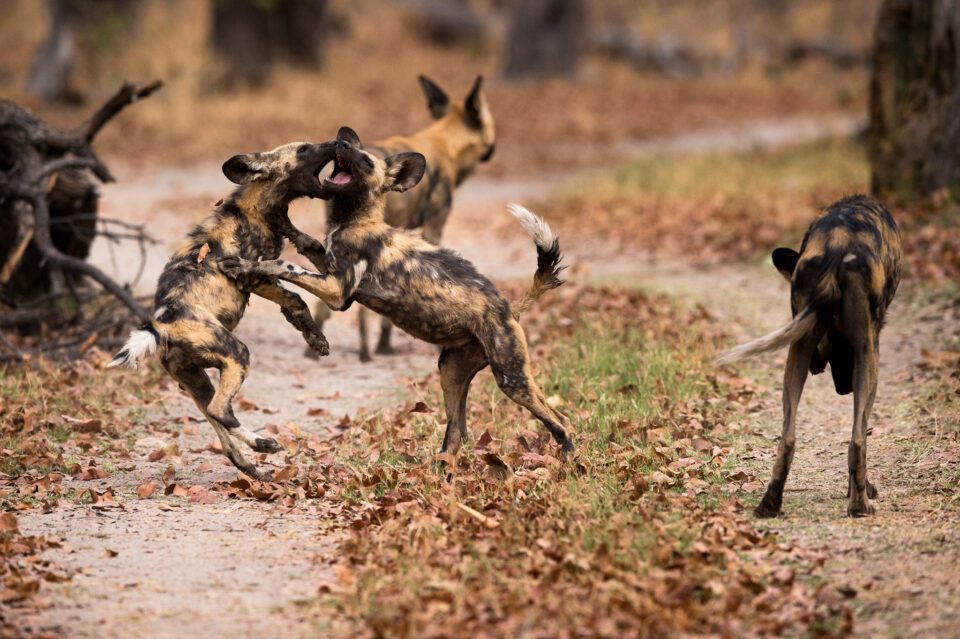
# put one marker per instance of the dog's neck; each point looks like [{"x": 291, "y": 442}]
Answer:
[
  {"x": 452, "y": 138},
  {"x": 352, "y": 211},
  {"x": 261, "y": 204}
]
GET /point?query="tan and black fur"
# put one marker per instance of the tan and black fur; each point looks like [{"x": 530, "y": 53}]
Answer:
[
  {"x": 842, "y": 282},
  {"x": 430, "y": 292},
  {"x": 197, "y": 306},
  {"x": 461, "y": 137}
]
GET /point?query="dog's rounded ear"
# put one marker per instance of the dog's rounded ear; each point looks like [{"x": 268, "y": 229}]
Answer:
[
  {"x": 349, "y": 135},
  {"x": 437, "y": 101},
  {"x": 785, "y": 259},
  {"x": 240, "y": 169},
  {"x": 473, "y": 106},
  {"x": 404, "y": 171}
]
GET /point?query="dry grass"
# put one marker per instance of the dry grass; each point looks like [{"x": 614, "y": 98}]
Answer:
[
  {"x": 638, "y": 535},
  {"x": 717, "y": 206}
]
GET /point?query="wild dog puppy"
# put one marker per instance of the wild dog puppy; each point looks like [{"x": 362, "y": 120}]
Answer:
[
  {"x": 432, "y": 293},
  {"x": 841, "y": 284},
  {"x": 197, "y": 306},
  {"x": 462, "y": 137}
]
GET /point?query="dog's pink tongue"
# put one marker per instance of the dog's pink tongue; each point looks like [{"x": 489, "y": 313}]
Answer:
[{"x": 341, "y": 178}]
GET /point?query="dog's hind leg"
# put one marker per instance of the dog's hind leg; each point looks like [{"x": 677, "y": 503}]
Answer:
[
  {"x": 233, "y": 359},
  {"x": 859, "y": 326},
  {"x": 794, "y": 377},
  {"x": 506, "y": 350},
  {"x": 458, "y": 366},
  {"x": 194, "y": 381}
]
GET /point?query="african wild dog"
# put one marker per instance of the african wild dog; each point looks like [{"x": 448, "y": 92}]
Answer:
[
  {"x": 197, "y": 306},
  {"x": 430, "y": 292},
  {"x": 462, "y": 137},
  {"x": 841, "y": 284}
]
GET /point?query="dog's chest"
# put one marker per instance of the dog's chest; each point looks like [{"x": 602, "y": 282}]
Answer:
[{"x": 258, "y": 243}]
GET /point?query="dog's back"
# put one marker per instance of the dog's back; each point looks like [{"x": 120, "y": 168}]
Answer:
[
  {"x": 850, "y": 255},
  {"x": 852, "y": 248},
  {"x": 856, "y": 237}
]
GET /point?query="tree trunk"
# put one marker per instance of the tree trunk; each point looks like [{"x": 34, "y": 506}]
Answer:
[
  {"x": 914, "y": 133},
  {"x": 252, "y": 35},
  {"x": 545, "y": 38},
  {"x": 78, "y": 28}
]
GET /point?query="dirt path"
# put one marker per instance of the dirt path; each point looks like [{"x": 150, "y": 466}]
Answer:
[{"x": 241, "y": 569}]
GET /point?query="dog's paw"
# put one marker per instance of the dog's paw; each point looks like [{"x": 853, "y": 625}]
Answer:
[
  {"x": 769, "y": 506},
  {"x": 266, "y": 445},
  {"x": 860, "y": 508},
  {"x": 319, "y": 347},
  {"x": 234, "y": 266}
]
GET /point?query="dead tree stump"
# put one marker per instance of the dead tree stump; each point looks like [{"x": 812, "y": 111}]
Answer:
[{"x": 48, "y": 210}]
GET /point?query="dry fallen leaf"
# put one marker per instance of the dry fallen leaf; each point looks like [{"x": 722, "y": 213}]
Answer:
[
  {"x": 145, "y": 491},
  {"x": 202, "y": 254},
  {"x": 421, "y": 407},
  {"x": 8, "y": 523}
]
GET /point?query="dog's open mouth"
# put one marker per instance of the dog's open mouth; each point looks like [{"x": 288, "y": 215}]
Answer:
[{"x": 339, "y": 176}]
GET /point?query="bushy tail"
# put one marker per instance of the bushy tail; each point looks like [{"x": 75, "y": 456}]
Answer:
[
  {"x": 142, "y": 341},
  {"x": 547, "y": 276},
  {"x": 802, "y": 324}
]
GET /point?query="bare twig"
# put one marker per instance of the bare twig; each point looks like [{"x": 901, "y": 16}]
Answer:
[
  {"x": 127, "y": 95},
  {"x": 61, "y": 164},
  {"x": 59, "y": 260}
]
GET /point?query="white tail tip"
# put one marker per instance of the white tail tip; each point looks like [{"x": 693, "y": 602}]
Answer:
[
  {"x": 535, "y": 226},
  {"x": 140, "y": 343}
]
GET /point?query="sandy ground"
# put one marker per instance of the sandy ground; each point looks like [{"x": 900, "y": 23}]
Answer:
[{"x": 244, "y": 569}]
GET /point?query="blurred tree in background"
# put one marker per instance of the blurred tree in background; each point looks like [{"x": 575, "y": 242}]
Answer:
[
  {"x": 79, "y": 29},
  {"x": 914, "y": 135},
  {"x": 252, "y": 35},
  {"x": 545, "y": 37}
]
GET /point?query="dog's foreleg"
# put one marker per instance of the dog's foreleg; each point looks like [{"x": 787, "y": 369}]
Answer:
[
  {"x": 383, "y": 344},
  {"x": 333, "y": 290},
  {"x": 296, "y": 311},
  {"x": 794, "y": 378},
  {"x": 364, "y": 338}
]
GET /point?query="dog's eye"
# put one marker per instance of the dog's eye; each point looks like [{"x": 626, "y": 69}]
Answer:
[{"x": 303, "y": 149}]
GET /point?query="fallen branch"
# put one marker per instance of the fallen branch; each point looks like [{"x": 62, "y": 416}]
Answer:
[
  {"x": 58, "y": 260},
  {"x": 43, "y": 180},
  {"x": 489, "y": 522}
]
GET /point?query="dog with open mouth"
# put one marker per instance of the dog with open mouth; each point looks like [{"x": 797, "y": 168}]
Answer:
[
  {"x": 429, "y": 292},
  {"x": 197, "y": 307},
  {"x": 461, "y": 138}
]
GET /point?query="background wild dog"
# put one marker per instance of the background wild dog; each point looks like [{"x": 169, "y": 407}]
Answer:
[
  {"x": 197, "y": 306},
  {"x": 462, "y": 137},
  {"x": 841, "y": 284},
  {"x": 430, "y": 292}
]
